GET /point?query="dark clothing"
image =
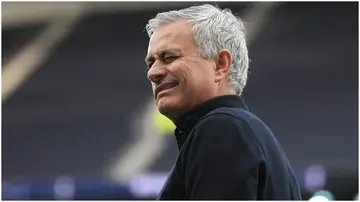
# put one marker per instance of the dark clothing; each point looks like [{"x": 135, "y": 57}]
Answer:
[{"x": 227, "y": 153}]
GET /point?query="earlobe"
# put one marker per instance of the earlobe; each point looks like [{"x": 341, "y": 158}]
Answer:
[{"x": 224, "y": 61}]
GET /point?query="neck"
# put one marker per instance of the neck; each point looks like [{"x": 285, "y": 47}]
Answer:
[{"x": 225, "y": 90}]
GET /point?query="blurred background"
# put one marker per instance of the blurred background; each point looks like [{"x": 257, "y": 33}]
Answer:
[{"x": 78, "y": 118}]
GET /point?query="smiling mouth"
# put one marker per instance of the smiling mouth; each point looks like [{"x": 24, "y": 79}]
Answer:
[{"x": 165, "y": 86}]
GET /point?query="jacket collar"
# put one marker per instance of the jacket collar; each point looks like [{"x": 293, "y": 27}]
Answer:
[{"x": 185, "y": 123}]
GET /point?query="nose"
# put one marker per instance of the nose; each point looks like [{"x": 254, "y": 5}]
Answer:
[{"x": 156, "y": 74}]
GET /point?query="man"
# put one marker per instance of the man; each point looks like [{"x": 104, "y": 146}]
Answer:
[{"x": 197, "y": 63}]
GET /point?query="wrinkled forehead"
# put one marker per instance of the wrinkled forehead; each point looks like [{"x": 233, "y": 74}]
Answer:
[{"x": 175, "y": 35}]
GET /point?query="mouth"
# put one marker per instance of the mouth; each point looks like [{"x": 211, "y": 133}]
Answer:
[{"x": 165, "y": 86}]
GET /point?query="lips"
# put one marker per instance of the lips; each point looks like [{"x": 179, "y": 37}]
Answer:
[{"x": 165, "y": 86}]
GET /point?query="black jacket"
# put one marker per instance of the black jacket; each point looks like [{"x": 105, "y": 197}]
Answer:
[{"x": 227, "y": 153}]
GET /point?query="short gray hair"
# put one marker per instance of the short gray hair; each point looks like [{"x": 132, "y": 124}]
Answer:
[{"x": 213, "y": 29}]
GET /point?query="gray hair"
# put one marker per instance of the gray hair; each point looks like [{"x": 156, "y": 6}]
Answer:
[{"x": 213, "y": 29}]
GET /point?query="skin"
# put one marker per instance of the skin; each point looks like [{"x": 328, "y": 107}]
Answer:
[{"x": 173, "y": 59}]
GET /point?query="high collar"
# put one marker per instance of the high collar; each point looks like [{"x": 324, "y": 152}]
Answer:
[{"x": 186, "y": 122}]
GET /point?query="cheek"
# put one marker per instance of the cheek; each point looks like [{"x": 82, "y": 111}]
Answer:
[
  {"x": 193, "y": 74},
  {"x": 185, "y": 71},
  {"x": 201, "y": 74}
]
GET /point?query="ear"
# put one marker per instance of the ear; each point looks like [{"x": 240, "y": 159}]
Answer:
[{"x": 223, "y": 63}]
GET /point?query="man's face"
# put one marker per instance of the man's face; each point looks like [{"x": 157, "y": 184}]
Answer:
[{"x": 180, "y": 78}]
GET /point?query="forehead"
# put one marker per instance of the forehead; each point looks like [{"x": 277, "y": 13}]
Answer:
[{"x": 176, "y": 35}]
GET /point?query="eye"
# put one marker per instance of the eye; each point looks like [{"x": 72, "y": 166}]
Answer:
[
  {"x": 170, "y": 58},
  {"x": 150, "y": 64}
]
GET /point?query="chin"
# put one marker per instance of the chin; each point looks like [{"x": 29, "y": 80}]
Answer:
[{"x": 168, "y": 106}]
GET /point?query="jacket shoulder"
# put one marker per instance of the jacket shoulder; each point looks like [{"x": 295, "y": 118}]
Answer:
[{"x": 239, "y": 114}]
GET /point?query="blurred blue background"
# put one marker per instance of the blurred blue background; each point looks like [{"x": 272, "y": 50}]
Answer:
[{"x": 78, "y": 121}]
